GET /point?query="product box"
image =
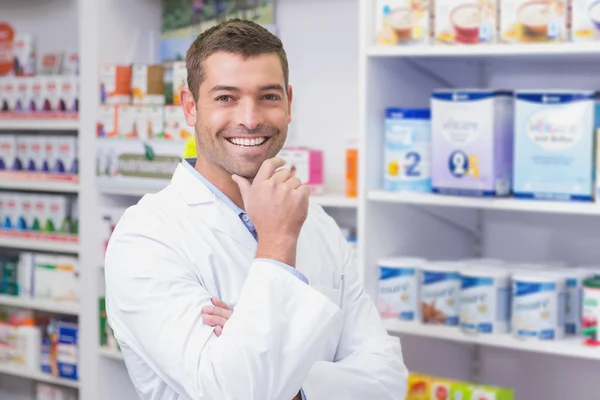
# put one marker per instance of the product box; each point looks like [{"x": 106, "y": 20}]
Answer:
[
  {"x": 65, "y": 155},
  {"x": 154, "y": 121},
  {"x": 407, "y": 150},
  {"x": 57, "y": 220},
  {"x": 176, "y": 126},
  {"x": 465, "y": 21},
  {"x": 179, "y": 80},
  {"x": 8, "y": 152},
  {"x": 419, "y": 387},
  {"x": 68, "y": 93},
  {"x": 597, "y": 147},
  {"x": 585, "y": 23},
  {"x": 403, "y": 22},
  {"x": 40, "y": 213},
  {"x": 128, "y": 123},
  {"x": 37, "y": 95},
  {"x": 56, "y": 278},
  {"x": 22, "y": 152},
  {"x": 67, "y": 350},
  {"x": 472, "y": 140},
  {"x": 51, "y": 93},
  {"x": 23, "y": 103},
  {"x": 26, "y": 212},
  {"x": 148, "y": 84},
  {"x": 11, "y": 211},
  {"x": 352, "y": 168},
  {"x": 24, "y": 57},
  {"x": 9, "y": 94},
  {"x": 115, "y": 84},
  {"x": 108, "y": 119},
  {"x": 527, "y": 21},
  {"x": 553, "y": 148},
  {"x": 307, "y": 165},
  {"x": 49, "y": 160}
]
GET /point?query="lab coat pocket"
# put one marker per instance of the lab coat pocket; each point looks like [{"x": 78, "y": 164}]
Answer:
[{"x": 335, "y": 295}]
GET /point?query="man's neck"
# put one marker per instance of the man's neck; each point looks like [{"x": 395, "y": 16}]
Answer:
[{"x": 221, "y": 179}]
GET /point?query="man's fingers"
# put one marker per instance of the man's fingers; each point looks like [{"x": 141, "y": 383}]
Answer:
[
  {"x": 218, "y": 303},
  {"x": 218, "y": 330},
  {"x": 222, "y": 312},
  {"x": 267, "y": 169},
  {"x": 243, "y": 184},
  {"x": 294, "y": 182},
  {"x": 213, "y": 320},
  {"x": 282, "y": 175}
]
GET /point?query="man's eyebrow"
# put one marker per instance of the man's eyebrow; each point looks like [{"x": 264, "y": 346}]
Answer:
[
  {"x": 274, "y": 86},
  {"x": 223, "y": 88}
]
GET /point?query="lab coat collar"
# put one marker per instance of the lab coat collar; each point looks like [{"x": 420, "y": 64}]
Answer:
[{"x": 212, "y": 211}]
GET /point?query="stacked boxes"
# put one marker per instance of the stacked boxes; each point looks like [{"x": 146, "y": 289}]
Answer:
[{"x": 37, "y": 153}]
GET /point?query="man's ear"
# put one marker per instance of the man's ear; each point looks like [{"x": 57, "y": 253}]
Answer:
[
  {"x": 189, "y": 107},
  {"x": 290, "y": 94}
]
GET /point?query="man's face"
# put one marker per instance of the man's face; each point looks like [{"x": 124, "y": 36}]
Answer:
[{"x": 243, "y": 112}]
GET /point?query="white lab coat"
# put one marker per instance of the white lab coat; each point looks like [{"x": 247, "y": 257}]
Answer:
[{"x": 175, "y": 249}]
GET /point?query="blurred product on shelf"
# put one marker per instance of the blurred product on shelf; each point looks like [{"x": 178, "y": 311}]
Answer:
[
  {"x": 56, "y": 155},
  {"x": 407, "y": 150},
  {"x": 60, "y": 348},
  {"x": 471, "y": 142},
  {"x": 351, "y": 189},
  {"x": 591, "y": 311},
  {"x": 39, "y": 276},
  {"x": 529, "y": 301},
  {"x": 585, "y": 23},
  {"x": 427, "y": 387},
  {"x": 48, "y": 90},
  {"x": 48, "y": 277},
  {"x": 403, "y": 22},
  {"x": 110, "y": 216},
  {"x": 539, "y": 145},
  {"x": 306, "y": 164},
  {"x": 51, "y": 392},
  {"x": 553, "y": 145},
  {"x": 142, "y": 102},
  {"x": 470, "y": 22},
  {"x": 39, "y": 343},
  {"x": 465, "y": 21},
  {"x": 107, "y": 337},
  {"x": 40, "y": 213}
]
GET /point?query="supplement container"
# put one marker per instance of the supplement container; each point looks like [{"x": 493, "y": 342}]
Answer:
[
  {"x": 440, "y": 291},
  {"x": 573, "y": 297},
  {"x": 398, "y": 288},
  {"x": 591, "y": 312},
  {"x": 485, "y": 300},
  {"x": 538, "y": 305}
]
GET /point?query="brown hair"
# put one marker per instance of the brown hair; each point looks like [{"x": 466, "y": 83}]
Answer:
[{"x": 235, "y": 36}]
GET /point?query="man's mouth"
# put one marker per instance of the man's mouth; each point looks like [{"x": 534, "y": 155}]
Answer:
[{"x": 247, "y": 142}]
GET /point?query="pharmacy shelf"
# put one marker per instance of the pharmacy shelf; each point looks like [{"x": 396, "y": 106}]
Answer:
[
  {"x": 507, "y": 204},
  {"x": 335, "y": 201},
  {"x": 16, "y": 370},
  {"x": 39, "y": 122},
  {"x": 39, "y": 241},
  {"x": 38, "y": 182},
  {"x": 566, "y": 347},
  {"x": 110, "y": 353},
  {"x": 58, "y": 307},
  {"x": 492, "y": 50}
]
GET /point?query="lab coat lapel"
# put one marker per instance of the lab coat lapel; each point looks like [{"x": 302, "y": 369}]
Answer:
[{"x": 204, "y": 204}]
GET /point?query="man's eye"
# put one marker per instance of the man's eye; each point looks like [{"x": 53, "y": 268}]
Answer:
[
  {"x": 272, "y": 97},
  {"x": 224, "y": 98}
]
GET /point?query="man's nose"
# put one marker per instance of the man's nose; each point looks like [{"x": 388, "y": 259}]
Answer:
[{"x": 249, "y": 114}]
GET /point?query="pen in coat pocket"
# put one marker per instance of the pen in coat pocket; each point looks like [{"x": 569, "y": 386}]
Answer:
[{"x": 342, "y": 291}]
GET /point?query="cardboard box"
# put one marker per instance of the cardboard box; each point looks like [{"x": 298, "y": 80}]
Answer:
[
  {"x": 176, "y": 126},
  {"x": 115, "y": 84},
  {"x": 108, "y": 120},
  {"x": 148, "y": 84}
]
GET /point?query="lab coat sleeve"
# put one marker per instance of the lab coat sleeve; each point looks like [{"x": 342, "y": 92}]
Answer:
[
  {"x": 368, "y": 362},
  {"x": 154, "y": 300}
]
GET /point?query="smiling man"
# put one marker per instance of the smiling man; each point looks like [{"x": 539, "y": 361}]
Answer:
[{"x": 229, "y": 284}]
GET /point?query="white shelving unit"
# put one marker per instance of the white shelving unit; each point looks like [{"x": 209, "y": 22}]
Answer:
[
  {"x": 39, "y": 124},
  {"x": 25, "y": 241},
  {"x": 109, "y": 353},
  {"x": 53, "y": 186},
  {"x": 38, "y": 376},
  {"x": 58, "y": 307},
  {"x": 450, "y": 228}
]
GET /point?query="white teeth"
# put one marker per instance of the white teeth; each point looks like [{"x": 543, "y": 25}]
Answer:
[{"x": 247, "y": 142}]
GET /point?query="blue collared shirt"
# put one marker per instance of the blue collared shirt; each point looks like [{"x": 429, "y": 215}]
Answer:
[{"x": 190, "y": 163}]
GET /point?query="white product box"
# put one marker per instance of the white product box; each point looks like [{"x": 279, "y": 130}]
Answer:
[
  {"x": 65, "y": 148},
  {"x": 68, "y": 93},
  {"x": 11, "y": 210},
  {"x": 401, "y": 22},
  {"x": 179, "y": 80},
  {"x": 553, "y": 145},
  {"x": 36, "y": 101},
  {"x": 526, "y": 21},
  {"x": 51, "y": 93},
  {"x": 49, "y": 158},
  {"x": 466, "y": 21},
  {"x": 154, "y": 121},
  {"x": 22, "y": 152},
  {"x": 585, "y": 24},
  {"x": 128, "y": 126},
  {"x": 57, "y": 214},
  {"x": 176, "y": 126},
  {"x": 9, "y": 93},
  {"x": 40, "y": 212},
  {"x": 147, "y": 84},
  {"x": 35, "y": 153},
  {"x": 23, "y": 102},
  {"x": 26, "y": 211},
  {"x": 25, "y": 274},
  {"x": 24, "y": 59},
  {"x": 307, "y": 165},
  {"x": 108, "y": 118},
  {"x": 8, "y": 152}
]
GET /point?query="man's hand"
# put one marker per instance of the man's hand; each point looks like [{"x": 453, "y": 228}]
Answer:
[
  {"x": 216, "y": 316},
  {"x": 277, "y": 204}
]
